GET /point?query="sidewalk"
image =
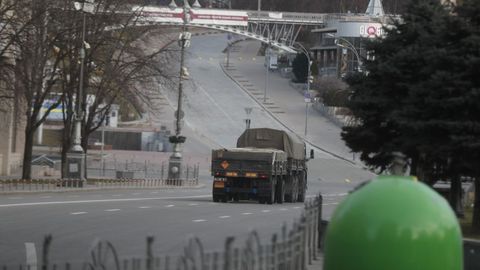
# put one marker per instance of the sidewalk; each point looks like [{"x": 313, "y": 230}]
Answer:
[
  {"x": 316, "y": 264},
  {"x": 283, "y": 101}
]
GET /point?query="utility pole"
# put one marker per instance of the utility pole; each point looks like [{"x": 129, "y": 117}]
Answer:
[
  {"x": 175, "y": 161},
  {"x": 76, "y": 155}
]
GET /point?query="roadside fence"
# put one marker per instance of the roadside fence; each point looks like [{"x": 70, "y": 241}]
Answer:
[
  {"x": 291, "y": 249},
  {"x": 137, "y": 170},
  {"x": 339, "y": 120},
  {"x": 44, "y": 185}
]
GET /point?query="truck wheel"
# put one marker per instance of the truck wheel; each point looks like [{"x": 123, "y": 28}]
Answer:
[
  {"x": 302, "y": 188},
  {"x": 279, "y": 192},
  {"x": 215, "y": 198},
  {"x": 291, "y": 196},
  {"x": 295, "y": 191},
  {"x": 301, "y": 194},
  {"x": 271, "y": 199},
  {"x": 224, "y": 198}
]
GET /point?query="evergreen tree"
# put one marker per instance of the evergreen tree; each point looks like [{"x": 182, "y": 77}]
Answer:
[
  {"x": 466, "y": 133},
  {"x": 421, "y": 96},
  {"x": 418, "y": 97},
  {"x": 300, "y": 68}
]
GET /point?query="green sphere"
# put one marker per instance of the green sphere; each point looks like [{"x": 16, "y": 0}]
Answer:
[{"x": 393, "y": 223}]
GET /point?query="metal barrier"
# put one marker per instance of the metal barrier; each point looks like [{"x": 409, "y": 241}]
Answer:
[
  {"x": 291, "y": 249},
  {"x": 44, "y": 185},
  {"x": 137, "y": 170}
]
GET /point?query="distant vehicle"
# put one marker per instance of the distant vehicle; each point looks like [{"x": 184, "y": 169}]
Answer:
[
  {"x": 268, "y": 165},
  {"x": 271, "y": 59}
]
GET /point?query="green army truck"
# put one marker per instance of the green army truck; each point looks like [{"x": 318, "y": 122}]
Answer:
[{"x": 268, "y": 165}]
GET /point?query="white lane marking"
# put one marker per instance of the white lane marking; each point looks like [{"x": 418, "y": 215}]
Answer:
[
  {"x": 335, "y": 195},
  {"x": 106, "y": 200},
  {"x": 170, "y": 205},
  {"x": 116, "y": 195},
  {"x": 296, "y": 207},
  {"x": 265, "y": 211},
  {"x": 223, "y": 216},
  {"x": 199, "y": 220},
  {"x": 136, "y": 193},
  {"x": 193, "y": 204},
  {"x": 15, "y": 198},
  {"x": 78, "y": 213},
  {"x": 283, "y": 209},
  {"x": 246, "y": 213},
  {"x": 112, "y": 210},
  {"x": 31, "y": 255},
  {"x": 330, "y": 203},
  {"x": 45, "y": 197},
  {"x": 154, "y": 192},
  {"x": 144, "y": 207}
]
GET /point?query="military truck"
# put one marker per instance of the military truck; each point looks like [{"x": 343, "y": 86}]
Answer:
[{"x": 268, "y": 165}]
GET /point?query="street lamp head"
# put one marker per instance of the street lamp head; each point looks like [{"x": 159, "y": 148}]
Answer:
[
  {"x": 196, "y": 4},
  {"x": 173, "y": 5},
  {"x": 78, "y": 6},
  {"x": 87, "y": 6}
]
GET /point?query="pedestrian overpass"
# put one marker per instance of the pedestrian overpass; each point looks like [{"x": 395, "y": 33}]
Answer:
[{"x": 278, "y": 29}]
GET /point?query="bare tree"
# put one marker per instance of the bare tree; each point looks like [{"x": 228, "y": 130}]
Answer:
[
  {"x": 37, "y": 62},
  {"x": 10, "y": 28},
  {"x": 117, "y": 69}
]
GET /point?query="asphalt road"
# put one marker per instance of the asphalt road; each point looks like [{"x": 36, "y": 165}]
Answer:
[{"x": 215, "y": 113}]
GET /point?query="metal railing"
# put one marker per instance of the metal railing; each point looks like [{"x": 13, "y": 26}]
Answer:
[
  {"x": 137, "y": 170},
  {"x": 51, "y": 185},
  {"x": 291, "y": 249}
]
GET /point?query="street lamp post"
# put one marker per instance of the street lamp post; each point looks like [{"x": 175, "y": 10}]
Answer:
[
  {"x": 349, "y": 46},
  {"x": 267, "y": 51},
  {"x": 307, "y": 92},
  {"x": 266, "y": 74},
  {"x": 76, "y": 155},
  {"x": 175, "y": 161}
]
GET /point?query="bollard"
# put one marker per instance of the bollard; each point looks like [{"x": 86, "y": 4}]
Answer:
[
  {"x": 319, "y": 221},
  {"x": 408, "y": 226},
  {"x": 145, "y": 169},
  {"x": 150, "y": 252},
  {"x": 163, "y": 169},
  {"x": 45, "y": 249}
]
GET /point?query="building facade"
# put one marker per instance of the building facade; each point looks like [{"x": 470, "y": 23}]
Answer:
[
  {"x": 11, "y": 125},
  {"x": 339, "y": 46},
  {"x": 12, "y": 137}
]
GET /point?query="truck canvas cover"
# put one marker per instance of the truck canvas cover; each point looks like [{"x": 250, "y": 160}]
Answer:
[{"x": 272, "y": 138}]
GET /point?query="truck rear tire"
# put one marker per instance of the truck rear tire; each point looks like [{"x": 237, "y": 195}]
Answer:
[
  {"x": 293, "y": 191},
  {"x": 279, "y": 192},
  {"x": 216, "y": 198},
  {"x": 302, "y": 187},
  {"x": 301, "y": 193},
  {"x": 271, "y": 198}
]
